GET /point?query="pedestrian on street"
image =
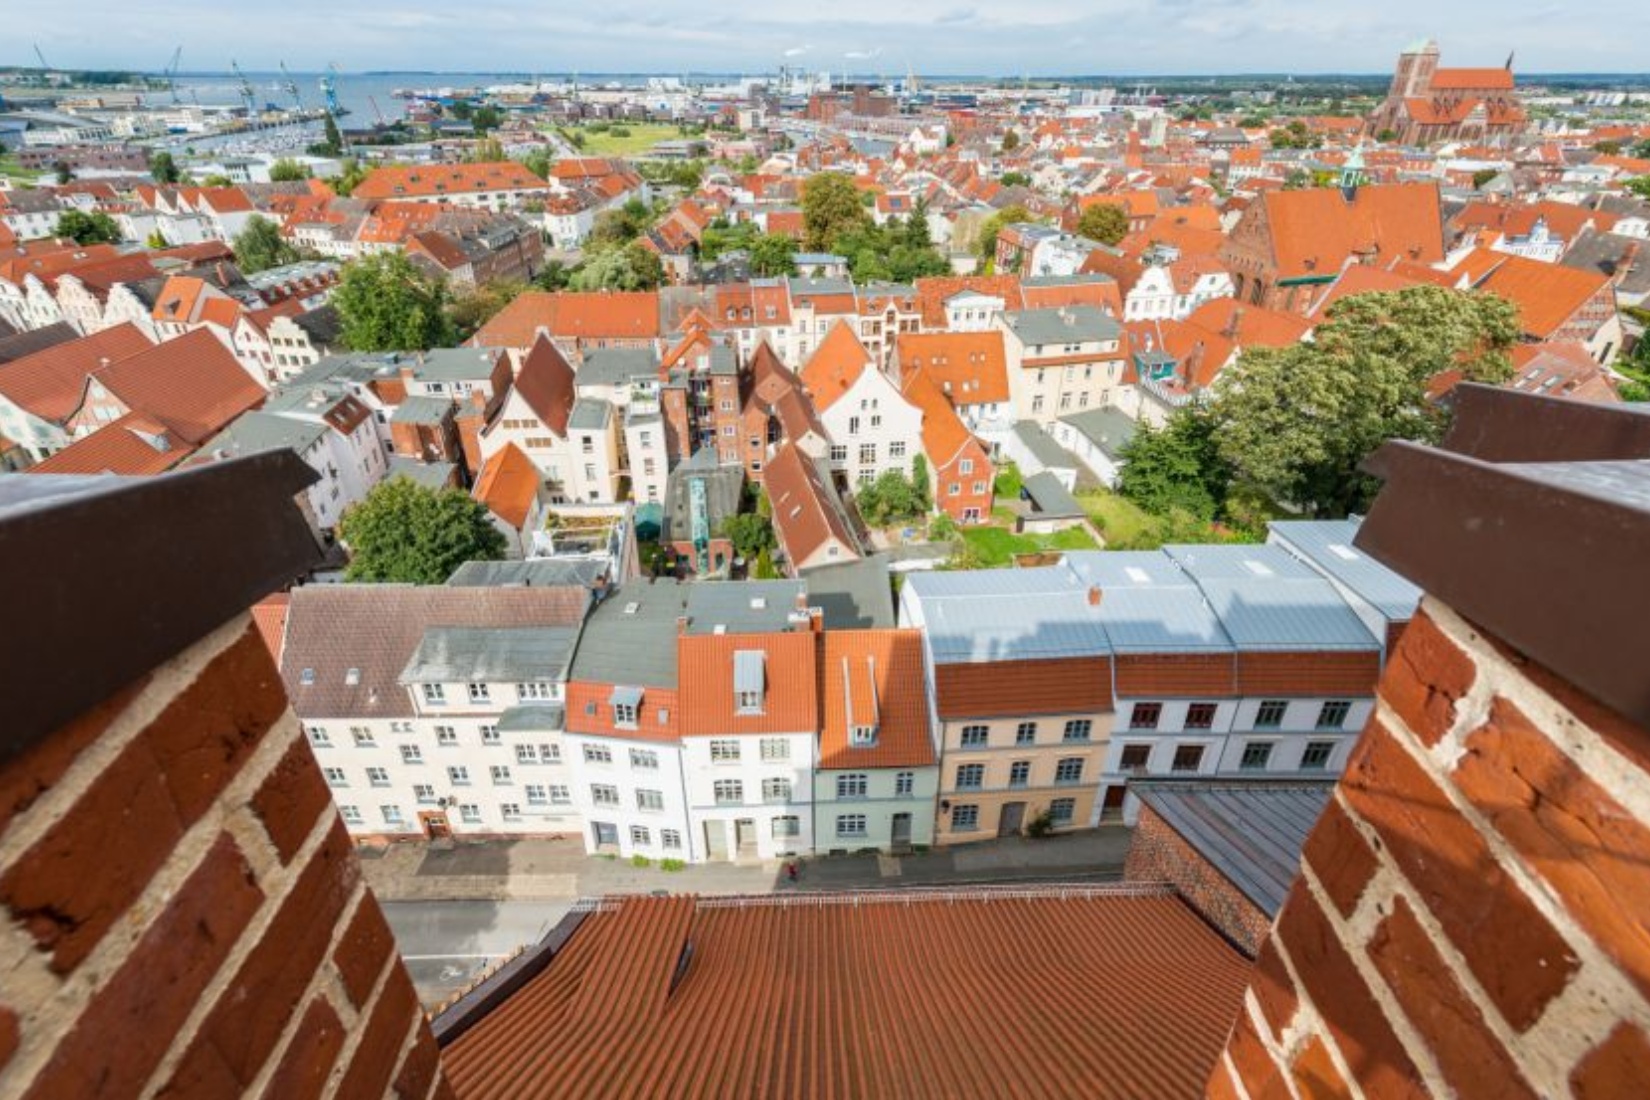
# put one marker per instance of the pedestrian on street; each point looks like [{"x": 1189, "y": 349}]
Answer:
[{"x": 791, "y": 870}]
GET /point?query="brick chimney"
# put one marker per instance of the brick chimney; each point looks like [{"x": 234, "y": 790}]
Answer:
[
  {"x": 184, "y": 914},
  {"x": 1470, "y": 913}
]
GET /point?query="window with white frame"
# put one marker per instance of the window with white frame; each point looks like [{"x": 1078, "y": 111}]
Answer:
[
  {"x": 1025, "y": 733},
  {"x": 378, "y": 777},
  {"x": 670, "y": 839},
  {"x": 776, "y": 790},
  {"x": 470, "y": 813},
  {"x": 489, "y": 735},
  {"x": 351, "y": 814},
  {"x": 501, "y": 775},
  {"x": 1270, "y": 715},
  {"x": 624, "y": 714},
  {"x": 786, "y": 826},
  {"x": 1256, "y": 756},
  {"x": 970, "y": 777},
  {"x": 905, "y": 783},
  {"x": 424, "y": 792},
  {"x": 729, "y": 792},
  {"x": 852, "y": 785},
  {"x": 850, "y": 825},
  {"x": 775, "y": 749},
  {"x": 549, "y": 753},
  {"x": 1078, "y": 729},
  {"x": 604, "y": 794},
  {"x": 392, "y": 814},
  {"x": 527, "y": 754},
  {"x": 1061, "y": 810},
  {"x": 839, "y": 452},
  {"x": 560, "y": 794},
  {"x": 965, "y": 818},
  {"x": 458, "y": 776},
  {"x": 644, "y": 759},
  {"x": 335, "y": 777},
  {"x": 724, "y": 751},
  {"x": 537, "y": 795},
  {"x": 1332, "y": 715},
  {"x": 479, "y": 693},
  {"x": 598, "y": 754},
  {"x": 362, "y": 736},
  {"x": 510, "y": 810},
  {"x": 867, "y": 454},
  {"x": 1316, "y": 755},
  {"x": 650, "y": 800},
  {"x": 319, "y": 738},
  {"x": 640, "y": 835},
  {"x": 412, "y": 754},
  {"x": 965, "y": 467},
  {"x": 435, "y": 693},
  {"x": 446, "y": 735},
  {"x": 975, "y": 737},
  {"x": 534, "y": 691}
]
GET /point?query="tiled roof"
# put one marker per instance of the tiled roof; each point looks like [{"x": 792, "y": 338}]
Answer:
[
  {"x": 134, "y": 445},
  {"x": 1314, "y": 229},
  {"x": 590, "y": 315},
  {"x": 193, "y": 385},
  {"x": 943, "y": 434},
  {"x": 933, "y": 292},
  {"x": 509, "y": 486},
  {"x": 19, "y": 345},
  {"x": 374, "y": 629},
  {"x": 546, "y": 383},
  {"x": 835, "y": 366},
  {"x": 1546, "y": 295},
  {"x": 447, "y": 179},
  {"x": 269, "y": 616},
  {"x": 971, "y": 368},
  {"x": 50, "y": 383},
  {"x": 789, "y": 703},
  {"x": 1091, "y": 993},
  {"x": 1474, "y": 80},
  {"x": 805, "y": 512},
  {"x": 873, "y": 678}
]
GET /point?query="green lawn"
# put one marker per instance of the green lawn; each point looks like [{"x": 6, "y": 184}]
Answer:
[
  {"x": 10, "y": 167},
  {"x": 1120, "y": 520},
  {"x": 995, "y": 547},
  {"x": 642, "y": 137}
]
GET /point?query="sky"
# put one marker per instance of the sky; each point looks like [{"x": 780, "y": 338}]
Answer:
[{"x": 877, "y": 37}]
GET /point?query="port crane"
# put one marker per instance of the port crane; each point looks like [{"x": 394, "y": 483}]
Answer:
[
  {"x": 44, "y": 64},
  {"x": 329, "y": 90},
  {"x": 290, "y": 87},
  {"x": 249, "y": 96},
  {"x": 171, "y": 74}
]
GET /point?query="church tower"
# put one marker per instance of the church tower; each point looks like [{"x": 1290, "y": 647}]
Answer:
[{"x": 1413, "y": 77}]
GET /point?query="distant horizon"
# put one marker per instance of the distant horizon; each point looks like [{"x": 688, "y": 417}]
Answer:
[{"x": 545, "y": 74}]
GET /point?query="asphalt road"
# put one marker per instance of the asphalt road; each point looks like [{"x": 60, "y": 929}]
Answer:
[{"x": 445, "y": 944}]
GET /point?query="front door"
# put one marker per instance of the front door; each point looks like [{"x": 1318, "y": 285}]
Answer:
[
  {"x": 607, "y": 834},
  {"x": 902, "y": 832},
  {"x": 745, "y": 829},
  {"x": 716, "y": 840},
  {"x": 1014, "y": 815},
  {"x": 435, "y": 825},
  {"x": 1111, "y": 806}
]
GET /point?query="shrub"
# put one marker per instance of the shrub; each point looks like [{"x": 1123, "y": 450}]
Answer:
[
  {"x": 671, "y": 865},
  {"x": 1041, "y": 825},
  {"x": 640, "y": 861}
]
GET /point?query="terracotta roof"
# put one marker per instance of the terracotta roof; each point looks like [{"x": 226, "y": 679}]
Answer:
[
  {"x": 1359, "y": 279},
  {"x": 374, "y": 629},
  {"x": 590, "y": 315},
  {"x": 1561, "y": 369},
  {"x": 178, "y": 297},
  {"x": 971, "y": 368},
  {"x": 1315, "y": 229},
  {"x": 933, "y": 292},
  {"x": 546, "y": 383},
  {"x": 873, "y": 678},
  {"x": 835, "y": 366},
  {"x": 134, "y": 445},
  {"x": 446, "y": 179},
  {"x": 1249, "y": 326},
  {"x": 805, "y": 515},
  {"x": 54, "y": 259},
  {"x": 509, "y": 485},
  {"x": 269, "y": 616},
  {"x": 100, "y": 278},
  {"x": 193, "y": 385},
  {"x": 1091, "y": 993},
  {"x": 705, "y": 665},
  {"x": 1474, "y": 80},
  {"x": 1547, "y": 295},
  {"x": 943, "y": 434},
  {"x": 49, "y": 383}
]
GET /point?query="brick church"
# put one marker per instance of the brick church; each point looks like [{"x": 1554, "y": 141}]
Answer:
[{"x": 1427, "y": 104}]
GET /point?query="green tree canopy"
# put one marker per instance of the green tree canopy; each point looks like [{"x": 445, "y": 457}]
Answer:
[
  {"x": 406, "y": 533},
  {"x": 629, "y": 268},
  {"x": 83, "y": 228},
  {"x": 773, "y": 254},
  {"x": 986, "y": 246},
  {"x": 334, "y": 137},
  {"x": 830, "y": 207},
  {"x": 538, "y": 162},
  {"x": 287, "y": 170},
  {"x": 1177, "y": 466},
  {"x": 1015, "y": 179},
  {"x": 162, "y": 168},
  {"x": 472, "y": 309},
  {"x": 486, "y": 150},
  {"x": 1104, "y": 222},
  {"x": 350, "y": 177},
  {"x": 750, "y": 534},
  {"x": 1011, "y": 141},
  {"x": 386, "y": 303},
  {"x": 1295, "y": 422},
  {"x": 619, "y": 227},
  {"x": 1483, "y": 176},
  {"x": 1639, "y": 186},
  {"x": 891, "y": 498},
  {"x": 260, "y": 246},
  {"x": 217, "y": 179}
]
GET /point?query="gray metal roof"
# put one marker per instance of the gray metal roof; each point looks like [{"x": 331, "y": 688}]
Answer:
[
  {"x": 1065, "y": 325},
  {"x": 1087, "y": 279},
  {"x": 533, "y": 573},
  {"x": 742, "y": 607},
  {"x": 533, "y": 718},
  {"x": 855, "y": 595},
  {"x": 452, "y": 364},
  {"x": 467, "y": 654},
  {"x": 589, "y": 415},
  {"x": 617, "y": 366},
  {"x": 431, "y": 475},
  {"x": 803, "y": 288},
  {"x": 1108, "y": 429},
  {"x": 1050, "y": 497},
  {"x": 630, "y": 638},
  {"x": 423, "y": 410},
  {"x": 1008, "y": 615},
  {"x": 1266, "y": 599},
  {"x": 1043, "y": 446},
  {"x": 1147, "y": 604},
  {"x": 261, "y": 431},
  {"x": 1251, "y": 833},
  {"x": 1326, "y": 546}
]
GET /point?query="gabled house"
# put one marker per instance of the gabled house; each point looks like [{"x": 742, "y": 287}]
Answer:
[
  {"x": 513, "y": 491},
  {"x": 961, "y": 474},
  {"x": 809, "y": 518},
  {"x": 39, "y": 393},
  {"x": 872, "y": 428},
  {"x": 533, "y": 419}
]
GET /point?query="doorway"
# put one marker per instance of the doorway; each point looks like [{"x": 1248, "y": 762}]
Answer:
[
  {"x": 607, "y": 834},
  {"x": 901, "y": 837},
  {"x": 1111, "y": 804},
  {"x": 716, "y": 840},
  {"x": 1013, "y": 816},
  {"x": 436, "y": 826},
  {"x": 745, "y": 834}
]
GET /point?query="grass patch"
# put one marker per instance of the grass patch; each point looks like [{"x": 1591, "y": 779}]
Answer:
[
  {"x": 995, "y": 547},
  {"x": 1008, "y": 481},
  {"x": 640, "y": 861},
  {"x": 10, "y": 167},
  {"x": 1126, "y": 526},
  {"x": 1118, "y": 518},
  {"x": 671, "y": 865},
  {"x": 638, "y": 137}
]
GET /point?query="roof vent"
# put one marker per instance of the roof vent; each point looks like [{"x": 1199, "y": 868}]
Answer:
[
  {"x": 307, "y": 676},
  {"x": 1345, "y": 553},
  {"x": 719, "y": 628},
  {"x": 759, "y": 603},
  {"x": 1259, "y": 569}
]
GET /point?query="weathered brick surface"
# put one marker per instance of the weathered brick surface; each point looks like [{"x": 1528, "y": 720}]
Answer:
[
  {"x": 1314, "y": 1073},
  {"x": 363, "y": 950},
  {"x": 291, "y": 800},
  {"x": 1428, "y": 674},
  {"x": 419, "y": 1069},
  {"x": 9, "y": 1036},
  {"x": 1617, "y": 1067},
  {"x": 25, "y": 779},
  {"x": 1159, "y": 854},
  {"x": 250, "y": 1014},
  {"x": 1568, "y": 829},
  {"x": 89, "y": 867},
  {"x": 1486, "y": 915},
  {"x": 1373, "y": 1052},
  {"x": 1467, "y": 1051},
  {"x": 1220, "y": 1085},
  {"x": 1251, "y": 1059},
  {"x": 1272, "y": 988},
  {"x": 307, "y": 1063},
  {"x": 372, "y": 1065},
  {"x": 1340, "y": 857},
  {"x": 130, "y": 1022}
]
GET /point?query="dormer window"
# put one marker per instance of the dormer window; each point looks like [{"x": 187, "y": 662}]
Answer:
[
  {"x": 352, "y": 677},
  {"x": 435, "y": 693},
  {"x": 627, "y": 705},
  {"x": 479, "y": 693},
  {"x": 862, "y": 736},
  {"x": 749, "y": 680}
]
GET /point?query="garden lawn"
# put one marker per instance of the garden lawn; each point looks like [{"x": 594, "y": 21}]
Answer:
[
  {"x": 642, "y": 137},
  {"x": 996, "y": 546},
  {"x": 1118, "y": 518}
]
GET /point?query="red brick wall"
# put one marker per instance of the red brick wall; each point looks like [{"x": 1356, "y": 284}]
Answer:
[
  {"x": 1159, "y": 854},
  {"x": 184, "y": 915},
  {"x": 1473, "y": 912}
]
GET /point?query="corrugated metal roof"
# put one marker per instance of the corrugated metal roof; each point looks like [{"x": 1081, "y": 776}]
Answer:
[
  {"x": 462, "y": 654},
  {"x": 1326, "y": 545},
  {"x": 1252, "y": 833},
  {"x": 1043, "y": 446},
  {"x": 535, "y": 572},
  {"x": 422, "y": 410},
  {"x": 1050, "y": 498},
  {"x": 589, "y": 415},
  {"x": 617, "y": 366},
  {"x": 1266, "y": 599}
]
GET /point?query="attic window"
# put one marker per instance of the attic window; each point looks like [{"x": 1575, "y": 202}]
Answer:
[
  {"x": 862, "y": 736},
  {"x": 1138, "y": 576},
  {"x": 352, "y": 677},
  {"x": 749, "y": 680},
  {"x": 307, "y": 676},
  {"x": 759, "y": 603}
]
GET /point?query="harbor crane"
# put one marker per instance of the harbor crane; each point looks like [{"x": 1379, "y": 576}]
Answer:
[
  {"x": 290, "y": 87},
  {"x": 249, "y": 95},
  {"x": 171, "y": 74},
  {"x": 329, "y": 90},
  {"x": 44, "y": 64}
]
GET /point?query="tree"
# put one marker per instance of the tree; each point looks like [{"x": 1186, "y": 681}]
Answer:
[
  {"x": 1639, "y": 186},
  {"x": 84, "y": 228},
  {"x": 1294, "y": 423},
  {"x": 335, "y": 139},
  {"x": 1177, "y": 466},
  {"x": 486, "y": 150},
  {"x": 157, "y": 239},
  {"x": 538, "y": 163},
  {"x": 64, "y": 173},
  {"x": 889, "y": 499},
  {"x": 920, "y": 483},
  {"x": 1641, "y": 151},
  {"x": 470, "y": 310},
  {"x": 485, "y": 118},
  {"x": 217, "y": 179},
  {"x": 350, "y": 176},
  {"x": 405, "y": 533},
  {"x": 1386, "y": 136},
  {"x": 260, "y": 246},
  {"x": 632, "y": 267},
  {"x": 1015, "y": 179},
  {"x": 163, "y": 169},
  {"x": 1608, "y": 148},
  {"x": 773, "y": 254},
  {"x": 555, "y": 275},
  {"x": 830, "y": 208},
  {"x": 1104, "y": 222},
  {"x": 1011, "y": 141},
  {"x": 1297, "y": 179},
  {"x": 386, "y": 303},
  {"x": 986, "y": 246},
  {"x": 1483, "y": 176},
  {"x": 619, "y": 227},
  {"x": 750, "y": 534},
  {"x": 287, "y": 170}
]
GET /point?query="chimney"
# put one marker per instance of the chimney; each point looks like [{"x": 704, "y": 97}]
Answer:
[
  {"x": 1095, "y": 595},
  {"x": 1232, "y": 326}
]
